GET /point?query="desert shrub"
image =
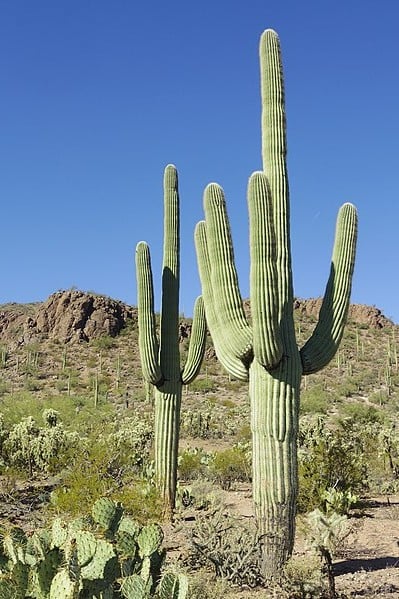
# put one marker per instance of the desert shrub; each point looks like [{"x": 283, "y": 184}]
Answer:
[
  {"x": 202, "y": 385},
  {"x": 85, "y": 481},
  {"x": 90, "y": 478},
  {"x": 4, "y": 387},
  {"x": 192, "y": 463},
  {"x": 347, "y": 388},
  {"x": 340, "y": 502},
  {"x": 315, "y": 400},
  {"x": 103, "y": 343},
  {"x": 38, "y": 449},
  {"x": 77, "y": 413},
  {"x": 130, "y": 441},
  {"x": 114, "y": 462},
  {"x": 331, "y": 459},
  {"x": 231, "y": 546},
  {"x": 141, "y": 498},
  {"x": 201, "y": 586},
  {"x": 230, "y": 466},
  {"x": 244, "y": 433},
  {"x": 354, "y": 414},
  {"x": 302, "y": 579},
  {"x": 32, "y": 384}
]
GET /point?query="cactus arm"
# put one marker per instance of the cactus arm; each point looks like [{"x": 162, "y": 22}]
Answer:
[
  {"x": 196, "y": 348},
  {"x": 169, "y": 345},
  {"x": 148, "y": 342},
  {"x": 323, "y": 344},
  {"x": 231, "y": 363},
  {"x": 267, "y": 343},
  {"x": 274, "y": 150},
  {"x": 236, "y": 330}
]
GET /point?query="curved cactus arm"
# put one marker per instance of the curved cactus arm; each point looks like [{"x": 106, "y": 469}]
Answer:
[
  {"x": 267, "y": 343},
  {"x": 324, "y": 342},
  {"x": 169, "y": 327},
  {"x": 236, "y": 330},
  {"x": 274, "y": 151},
  {"x": 231, "y": 363},
  {"x": 148, "y": 341},
  {"x": 196, "y": 348}
]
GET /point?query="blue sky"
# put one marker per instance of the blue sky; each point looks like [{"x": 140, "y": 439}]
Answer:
[{"x": 98, "y": 96}]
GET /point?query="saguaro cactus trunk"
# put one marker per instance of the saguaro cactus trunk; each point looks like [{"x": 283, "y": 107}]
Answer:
[
  {"x": 265, "y": 352},
  {"x": 160, "y": 360}
]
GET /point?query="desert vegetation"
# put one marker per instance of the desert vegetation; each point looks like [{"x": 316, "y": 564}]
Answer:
[{"x": 62, "y": 450}]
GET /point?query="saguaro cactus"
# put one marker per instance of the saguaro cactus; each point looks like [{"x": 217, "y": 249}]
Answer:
[
  {"x": 160, "y": 360},
  {"x": 265, "y": 351}
]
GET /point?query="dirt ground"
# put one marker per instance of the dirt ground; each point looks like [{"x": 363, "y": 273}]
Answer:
[{"x": 367, "y": 564}]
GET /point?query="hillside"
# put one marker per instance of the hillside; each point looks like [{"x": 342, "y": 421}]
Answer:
[{"x": 61, "y": 345}]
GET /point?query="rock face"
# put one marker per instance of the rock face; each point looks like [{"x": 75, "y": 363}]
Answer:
[
  {"x": 77, "y": 316},
  {"x": 360, "y": 314},
  {"x": 67, "y": 316}
]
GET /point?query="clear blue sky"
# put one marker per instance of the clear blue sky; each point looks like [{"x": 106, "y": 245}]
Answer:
[{"x": 98, "y": 96}]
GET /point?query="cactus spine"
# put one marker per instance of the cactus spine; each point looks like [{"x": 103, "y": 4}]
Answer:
[
  {"x": 160, "y": 360},
  {"x": 265, "y": 351}
]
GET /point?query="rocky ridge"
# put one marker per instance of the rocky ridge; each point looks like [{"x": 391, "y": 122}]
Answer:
[
  {"x": 68, "y": 316},
  {"x": 76, "y": 316}
]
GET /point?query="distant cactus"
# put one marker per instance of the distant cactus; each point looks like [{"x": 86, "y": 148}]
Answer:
[
  {"x": 265, "y": 351},
  {"x": 160, "y": 359}
]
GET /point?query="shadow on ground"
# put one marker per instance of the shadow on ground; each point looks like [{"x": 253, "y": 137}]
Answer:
[{"x": 369, "y": 565}]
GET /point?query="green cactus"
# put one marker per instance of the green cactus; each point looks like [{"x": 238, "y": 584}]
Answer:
[
  {"x": 83, "y": 559},
  {"x": 160, "y": 360},
  {"x": 63, "y": 586},
  {"x": 106, "y": 513},
  {"x": 265, "y": 351},
  {"x": 173, "y": 586},
  {"x": 149, "y": 539},
  {"x": 134, "y": 587}
]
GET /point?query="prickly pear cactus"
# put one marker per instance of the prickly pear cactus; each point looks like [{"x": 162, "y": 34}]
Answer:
[
  {"x": 106, "y": 513},
  {"x": 173, "y": 586},
  {"x": 67, "y": 561},
  {"x": 82, "y": 543},
  {"x": 63, "y": 586},
  {"x": 134, "y": 587},
  {"x": 149, "y": 539}
]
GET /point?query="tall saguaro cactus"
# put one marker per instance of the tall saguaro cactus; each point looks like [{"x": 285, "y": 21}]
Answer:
[
  {"x": 160, "y": 359},
  {"x": 265, "y": 351}
]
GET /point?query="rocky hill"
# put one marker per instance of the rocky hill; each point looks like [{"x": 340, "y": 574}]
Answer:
[
  {"x": 76, "y": 316},
  {"x": 66, "y": 316},
  {"x": 75, "y": 340}
]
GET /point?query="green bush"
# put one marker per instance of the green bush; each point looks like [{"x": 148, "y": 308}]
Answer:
[
  {"x": 315, "y": 400},
  {"x": 112, "y": 462},
  {"x": 331, "y": 458},
  {"x": 201, "y": 385},
  {"x": 230, "y": 466},
  {"x": 192, "y": 463}
]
